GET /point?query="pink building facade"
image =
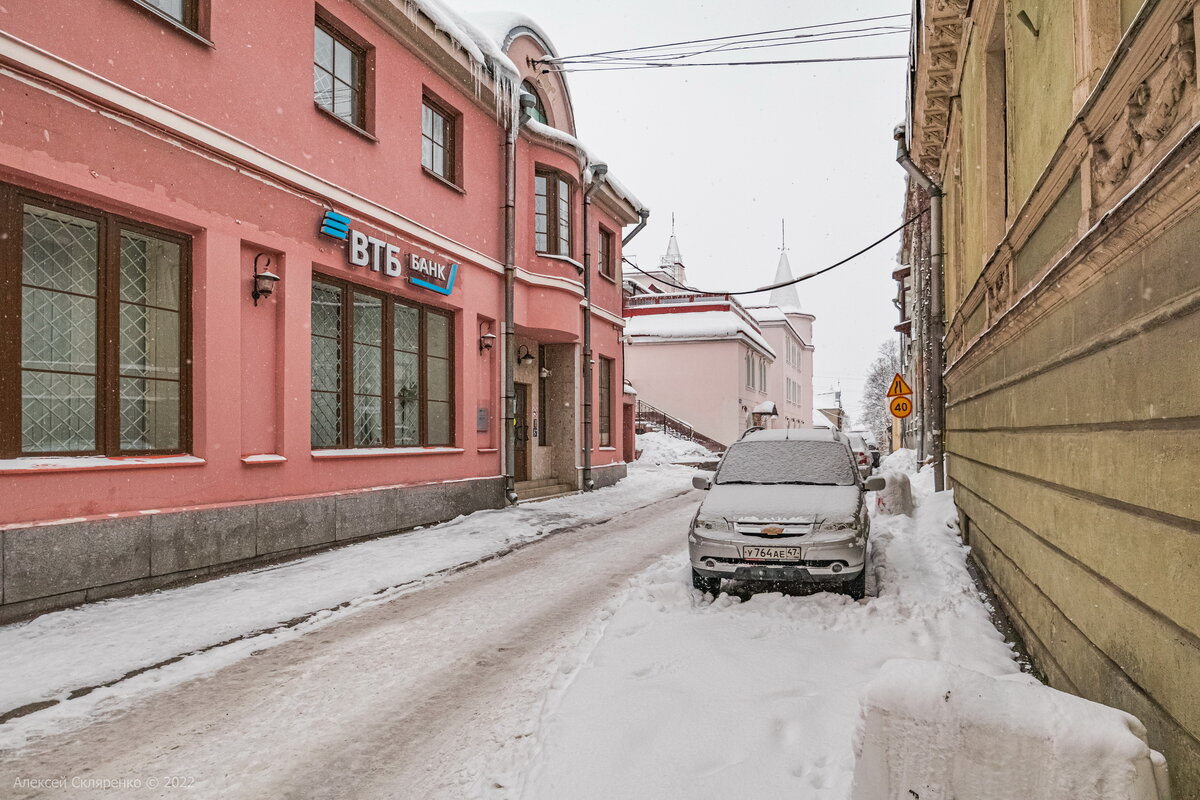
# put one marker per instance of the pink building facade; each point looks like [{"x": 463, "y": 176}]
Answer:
[{"x": 159, "y": 419}]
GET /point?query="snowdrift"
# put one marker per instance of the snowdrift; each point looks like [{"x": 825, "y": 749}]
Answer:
[{"x": 935, "y": 731}]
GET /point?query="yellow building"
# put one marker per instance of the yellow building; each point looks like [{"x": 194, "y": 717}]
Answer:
[{"x": 1066, "y": 136}]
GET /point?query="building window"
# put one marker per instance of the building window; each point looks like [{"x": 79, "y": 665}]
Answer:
[
  {"x": 339, "y": 75},
  {"x": 749, "y": 370},
  {"x": 604, "y": 253},
  {"x": 538, "y": 111},
  {"x": 552, "y": 213},
  {"x": 762, "y": 374},
  {"x": 439, "y": 141},
  {"x": 382, "y": 370},
  {"x": 185, "y": 12},
  {"x": 100, "y": 350},
  {"x": 606, "y": 372}
]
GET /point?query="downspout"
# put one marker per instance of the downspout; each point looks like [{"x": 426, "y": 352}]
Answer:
[
  {"x": 644, "y": 213},
  {"x": 936, "y": 326},
  {"x": 598, "y": 171},
  {"x": 509, "y": 400}
]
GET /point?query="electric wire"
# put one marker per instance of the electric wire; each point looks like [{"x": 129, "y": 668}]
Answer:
[
  {"x": 793, "y": 281},
  {"x": 725, "y": 38},
  {"x": 745, "y": 44},
  {"x": 653, "y": 65}
]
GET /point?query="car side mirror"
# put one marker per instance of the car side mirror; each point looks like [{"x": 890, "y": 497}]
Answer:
[
  {"x": 875, "y": 483},
  {"x": 701, "y": 482}
]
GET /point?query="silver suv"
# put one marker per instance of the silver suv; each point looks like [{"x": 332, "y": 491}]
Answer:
[{"x": 784, "y": 505}]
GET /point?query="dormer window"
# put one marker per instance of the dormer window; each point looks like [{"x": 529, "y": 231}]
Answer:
[{"x": 537, "y": 111}]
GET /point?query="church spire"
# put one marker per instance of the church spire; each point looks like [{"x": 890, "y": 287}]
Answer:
[
  {"x": 672, "y": 262},
  {"x": 785, "y": 297}
]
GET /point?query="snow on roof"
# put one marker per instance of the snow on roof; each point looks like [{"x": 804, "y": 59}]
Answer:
[
  {"x": 545, "y": 131},
  {"x": 478, "y": 43},
  {"x": 504, "y": 26},
  {"x": 794, "y": 434},
  {"x": 784, "y": 296},
  {"x": 766, "y": 407},
  {"x": 695, "y": 325}
]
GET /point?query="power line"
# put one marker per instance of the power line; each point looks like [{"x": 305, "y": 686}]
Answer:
[
  {"x": 654, "y": 65},
  {"x": 794, "y": 281},
  {"x": 724, "y": 38}
]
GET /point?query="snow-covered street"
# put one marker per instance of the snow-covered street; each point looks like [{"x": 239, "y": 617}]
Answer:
[{"x": 582, "y": 666}]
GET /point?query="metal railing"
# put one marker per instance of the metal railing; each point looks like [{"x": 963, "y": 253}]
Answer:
[{"x": 648, "y": 417}]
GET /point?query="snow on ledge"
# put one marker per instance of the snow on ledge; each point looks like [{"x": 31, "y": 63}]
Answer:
[
  {"x": 76, "y": 463},
  {"x": 264, "y": 458}
]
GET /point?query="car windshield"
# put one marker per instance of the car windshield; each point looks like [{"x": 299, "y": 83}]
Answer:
[{"x": 819, "y": 463}]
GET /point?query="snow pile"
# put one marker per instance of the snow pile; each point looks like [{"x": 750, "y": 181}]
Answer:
[
  {"x": 936, "y": 731},
  {"x": 902, "y": 460},
  {"x": 220, "y": 621},
  {"x": 662, "y": 448},
  {"x": 678, "y": 697}
]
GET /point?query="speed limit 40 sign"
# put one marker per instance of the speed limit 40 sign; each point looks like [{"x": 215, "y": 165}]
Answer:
[{"x": 900, "y": 407}]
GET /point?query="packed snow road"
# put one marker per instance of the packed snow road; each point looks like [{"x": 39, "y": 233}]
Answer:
[{"x": 429, "y": 695}]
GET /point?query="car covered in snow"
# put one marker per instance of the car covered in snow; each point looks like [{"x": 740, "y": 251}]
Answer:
[
  {"x": 863, "y": 458},
  {"x": 783, "y": 506}
]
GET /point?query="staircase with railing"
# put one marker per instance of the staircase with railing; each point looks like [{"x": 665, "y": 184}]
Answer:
[{"x": 648, "y": 417}]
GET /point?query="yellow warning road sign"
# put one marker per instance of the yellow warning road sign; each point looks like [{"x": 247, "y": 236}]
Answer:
[
  {"x": 899, "y": 387},
  {"x": 900, "y": 407}
]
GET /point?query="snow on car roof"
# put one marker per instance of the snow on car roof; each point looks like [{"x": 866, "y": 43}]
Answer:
[{"x": 792, "y": 434}]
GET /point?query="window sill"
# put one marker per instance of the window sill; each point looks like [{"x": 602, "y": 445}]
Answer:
[
  {"x": 372, "y": 452},
  {"x": 263, "y": 458},
  {"x": 607, "y": 449},
  {"x": 487, "y": 450},
  {"x": 567, "y": 259},
  {"x": 195, "y": 36},
  {"x": 360, "y": 131},
  {"x": 41, "y": 464},
  {"x": 610, "y": 278},
  {"x": 449, "y": 184}
]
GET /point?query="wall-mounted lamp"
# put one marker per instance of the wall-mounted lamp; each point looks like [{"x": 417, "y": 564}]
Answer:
[
  {"x": 544, "y": 372},
  {"x": 264, "y": 279},
  {"x": 486, "y": 337},
  {"x": 524, "y": 357}
]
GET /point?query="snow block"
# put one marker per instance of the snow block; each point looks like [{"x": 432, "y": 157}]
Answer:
[
  {"x": 933, "y": 731},
  {"x": 896, "y": 497}
]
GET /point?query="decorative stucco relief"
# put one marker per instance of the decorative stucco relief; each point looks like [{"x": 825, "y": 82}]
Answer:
[
  {"x": 1150, "y": 113},
  {"x": 999, "y": 291}
]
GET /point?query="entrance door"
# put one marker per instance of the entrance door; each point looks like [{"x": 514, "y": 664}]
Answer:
[{"x": 521, "y": 421}]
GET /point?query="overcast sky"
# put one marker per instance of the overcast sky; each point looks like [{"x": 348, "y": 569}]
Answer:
[{"x": 733, "y": 150}]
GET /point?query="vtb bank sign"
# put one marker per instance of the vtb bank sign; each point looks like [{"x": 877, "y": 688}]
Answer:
[{"x": 363, "y": 250}]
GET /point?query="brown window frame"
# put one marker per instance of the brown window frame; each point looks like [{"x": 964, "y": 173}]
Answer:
[
  {"x": 194, "y": 22},
  {"x": 387, "y": 343},
  {"x": 364, "y": 55},
  {"x": 108, "y": 306},
  {"x": 605, "y": 262},
  {"x": 605, "y": 412},
  {"x": 555, "y": 181},
  {"x": 453, "y": 145}
]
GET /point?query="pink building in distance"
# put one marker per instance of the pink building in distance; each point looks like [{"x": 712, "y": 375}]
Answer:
[{"x": 713, "y": 362}]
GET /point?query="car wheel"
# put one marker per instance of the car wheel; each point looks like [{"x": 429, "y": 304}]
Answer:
[
  {"x": 706, "y": 584},
  {"x": 856, "y": 587}
]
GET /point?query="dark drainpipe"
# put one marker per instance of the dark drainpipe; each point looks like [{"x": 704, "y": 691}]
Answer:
[{"x": 599, "y": 170}]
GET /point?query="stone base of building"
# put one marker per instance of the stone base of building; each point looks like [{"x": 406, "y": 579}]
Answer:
[
  {"x": 609, "y": 474},
  {"x": 52, "y": 566}
]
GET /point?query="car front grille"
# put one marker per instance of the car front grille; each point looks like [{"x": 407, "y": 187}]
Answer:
[{"x": 790, "y": 529}]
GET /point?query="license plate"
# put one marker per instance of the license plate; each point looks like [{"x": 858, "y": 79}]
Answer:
[{"x": 773, "y": 553}]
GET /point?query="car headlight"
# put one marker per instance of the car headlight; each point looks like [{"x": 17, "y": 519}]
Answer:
[
  {"x": 839, "y": 526},
  {"x": 713, "y": 524}
]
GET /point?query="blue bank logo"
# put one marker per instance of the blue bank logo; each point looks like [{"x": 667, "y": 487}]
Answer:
[{"x": 336, "y": 225}]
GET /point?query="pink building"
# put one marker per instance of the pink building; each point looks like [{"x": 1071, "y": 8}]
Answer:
[
  {"x": 713, "y": 363},
  {"x": 162, "y": 416}
]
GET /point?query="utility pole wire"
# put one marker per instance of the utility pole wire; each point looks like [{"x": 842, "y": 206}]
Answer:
[
  {"x": 793, "y": 281},
  {"x": 725, "y": 38},
  {"x": 731, "y": 47},
  {"x": 653, "y": 65}
]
